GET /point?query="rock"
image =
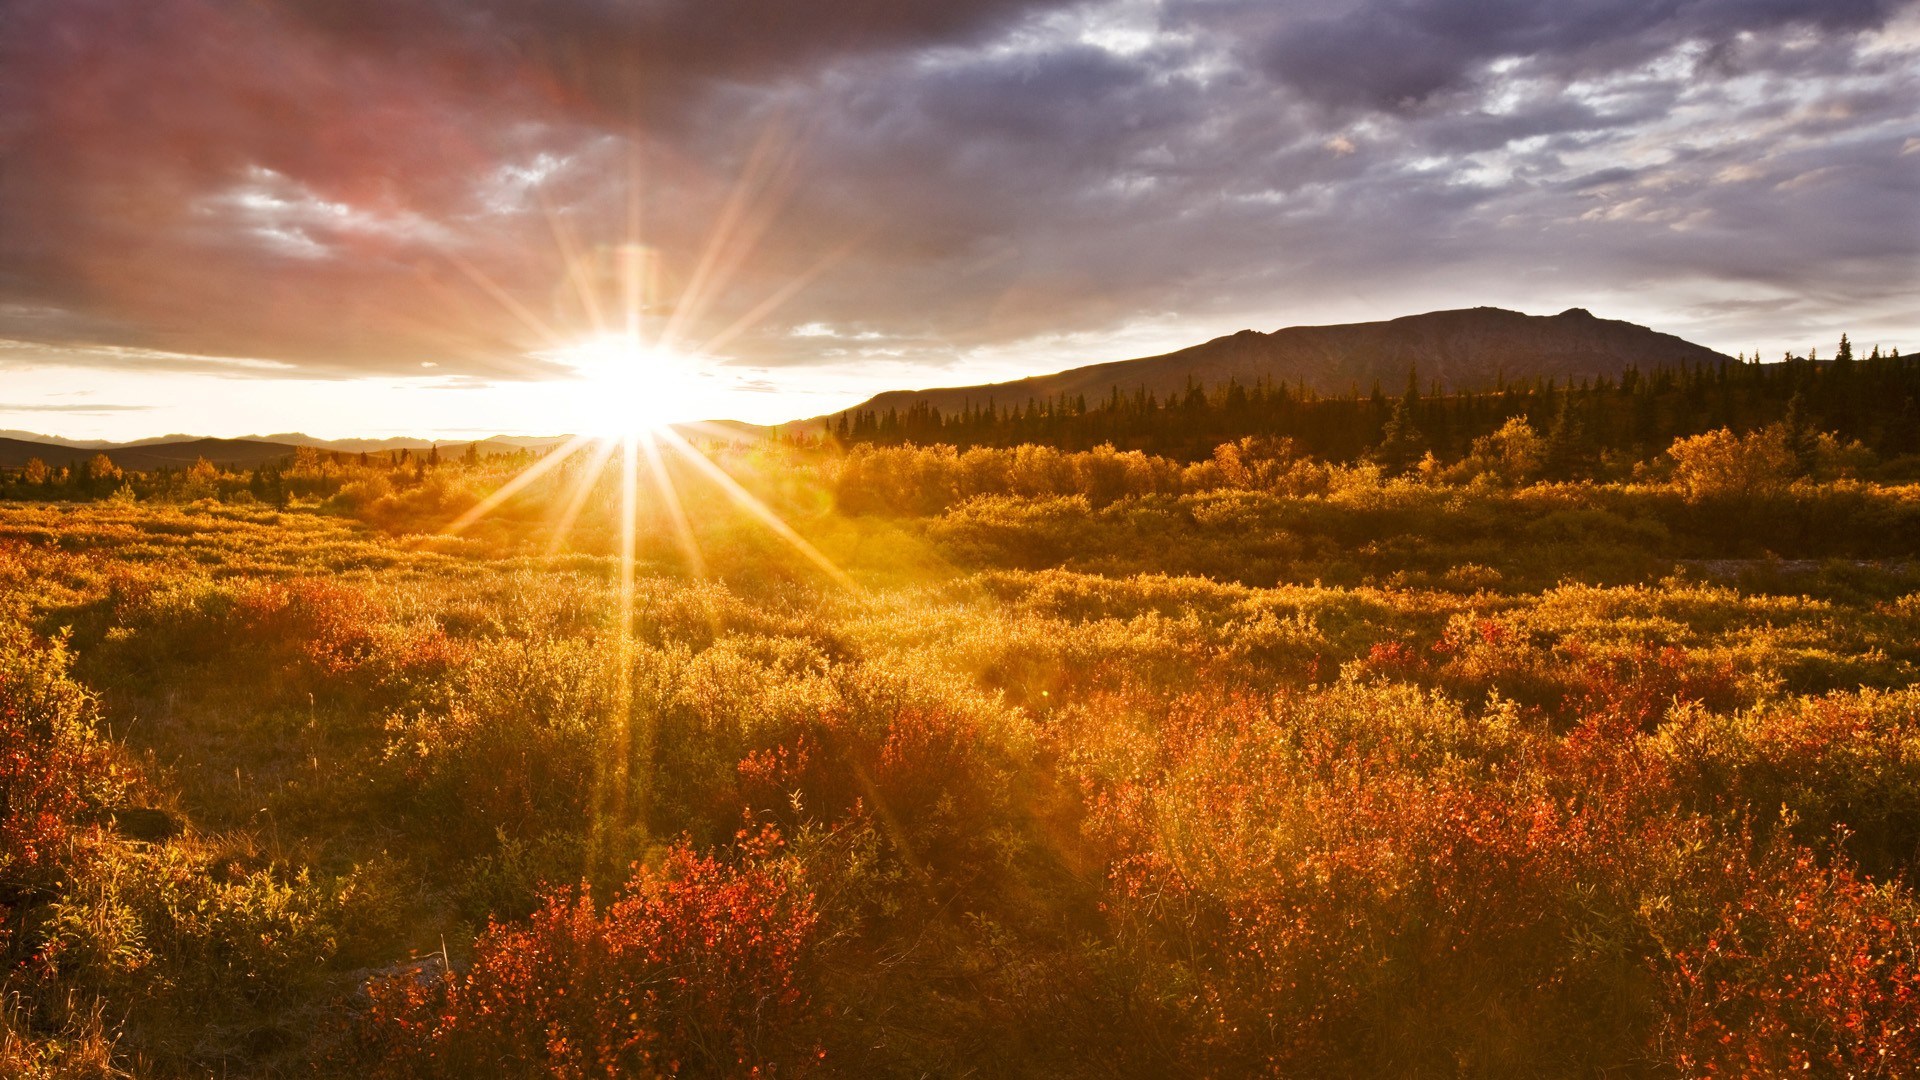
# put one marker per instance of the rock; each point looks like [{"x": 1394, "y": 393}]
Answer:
[{"x": 148, "y": 823}]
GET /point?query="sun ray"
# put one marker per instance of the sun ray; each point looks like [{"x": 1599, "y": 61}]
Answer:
[
  {"x": 506, "y": 299},
  {"x": 676, "y": 510},
  {"x": 578, "y": 273},
  {"x": 747, "y": 501},
  {"x": 633, "y": 285},
  {"x": 582, "y": 491},
  {"x": 780, "y": 296},
  {"x": 625, "y": 749},
  {"x": 520, "y": 480},
  {"x": 734, "y": 233}
]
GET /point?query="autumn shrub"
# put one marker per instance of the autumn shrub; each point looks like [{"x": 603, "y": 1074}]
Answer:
[
  {"x": 1371, "y": 893},
  {"x": 1356, "y": 881},
  {"x": 336, "y": 634},
  {"x": 56, "y": 772},
  {"x": 1722, "y": 464},
  {"x": 1514, "y": 454},
  {"x": 1011, "y": 531},
  {"x": 516, "y": 743},
  {"x": 699, "y": 967},
  {"x": 938, "y": 770},
  {"x": 1636, "y": 687},
  {"x": 175, "y": 927},
  {"x": 1848, "y": 761},
  {"x": 427, "y": 506},
  {"x": 295, "y": 639},
  {"x": 931, "y": 479},
  {"x": 54, "y": 766},
  {"x": 1476, "y": 656},
  {"x": 1802, "y": 969}
]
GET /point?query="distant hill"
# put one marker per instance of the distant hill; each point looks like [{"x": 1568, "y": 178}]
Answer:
[
  {"x": 495, "y": 444},
  {"x": 34, "y": 436},
  {"x": 181, "y": 451},
  {"x": 1467, "y": 349},
  {"x": 242, "y": 453}
]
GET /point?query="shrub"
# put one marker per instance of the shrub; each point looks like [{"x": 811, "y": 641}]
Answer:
[
  {"x": 698, "y": 967},
  {"x": 1844, "y": 760},
  {"x": 1513, "y": 455},
  {"x": 1720, "y": 464},
  {"x": 517, "y": 743},
  {"x": 1803, "y": 969},
  {"x": 1346, "y": 885},
  {"x": 53, "y": 765}
]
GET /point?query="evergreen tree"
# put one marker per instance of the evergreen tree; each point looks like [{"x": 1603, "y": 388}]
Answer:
[
  {"x": 1569, "y": 453},
  {"x": 1800, "y": 433},
  {"x": 1401, "y": 442}
]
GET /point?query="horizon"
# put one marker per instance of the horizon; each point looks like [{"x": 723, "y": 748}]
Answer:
[
  {"x": 462, "y": 436},
  {"x": 298, "y": 216}
]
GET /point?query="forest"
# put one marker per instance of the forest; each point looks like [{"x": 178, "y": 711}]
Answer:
[
  {"x": 1546, "y": 731},
  {"x": 1874, "y": 399}
]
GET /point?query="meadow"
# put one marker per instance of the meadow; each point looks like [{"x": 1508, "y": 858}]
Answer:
[{"x": 1085, "y": 764}]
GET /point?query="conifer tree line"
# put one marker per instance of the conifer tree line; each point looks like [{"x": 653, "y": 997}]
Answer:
[{"x": 1873, "y": 399}]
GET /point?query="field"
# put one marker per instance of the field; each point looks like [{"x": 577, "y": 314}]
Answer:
[{"x": 1076, "y": 764}]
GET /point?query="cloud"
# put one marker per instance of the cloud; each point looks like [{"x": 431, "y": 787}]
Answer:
[
  {"x": 336, "y": 188},
  {"x": 1399, "y": 54}
]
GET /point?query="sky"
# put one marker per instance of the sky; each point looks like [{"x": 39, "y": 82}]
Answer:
[{"x": 449, "y": 217}]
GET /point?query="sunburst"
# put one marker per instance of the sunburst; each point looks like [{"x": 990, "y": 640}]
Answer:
[{"x": 636, "y": 392}]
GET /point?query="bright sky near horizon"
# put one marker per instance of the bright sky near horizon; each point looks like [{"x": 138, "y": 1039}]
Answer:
[{"x": 371, "y": 217}]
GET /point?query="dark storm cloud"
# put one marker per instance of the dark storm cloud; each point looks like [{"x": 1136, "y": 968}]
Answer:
[{"x": 348, "y": 186}]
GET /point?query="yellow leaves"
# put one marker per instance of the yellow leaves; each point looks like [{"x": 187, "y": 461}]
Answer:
[{"x": 1722, "y": 464}]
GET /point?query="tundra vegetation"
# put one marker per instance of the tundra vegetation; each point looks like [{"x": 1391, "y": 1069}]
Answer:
[{"x": 1096, "y": 763}]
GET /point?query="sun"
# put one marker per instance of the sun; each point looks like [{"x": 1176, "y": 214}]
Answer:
[{"x": 619, "y": 386}]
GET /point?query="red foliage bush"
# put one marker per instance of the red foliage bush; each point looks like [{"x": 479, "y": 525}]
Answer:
[
  {"x": 699, "y": 967},
  {"x": 933, "y": 775},
  {"x": 51, "y": 761},
  {"x": 1635, "y": 689},
  {"x": 1807, "y": 969},
  {"x": 1405, "y": 921},
  {"x": 1395, "y": 658},
  {"x": 329, "y": 635}
]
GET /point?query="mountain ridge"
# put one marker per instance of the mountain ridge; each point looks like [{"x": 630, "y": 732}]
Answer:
[{"x": 1459, "y": 349}]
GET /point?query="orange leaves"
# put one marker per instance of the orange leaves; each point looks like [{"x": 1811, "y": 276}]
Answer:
[
  {"x": 1359, "y": 879},
  {"x": 336, "y": 630},
  {"x": 51, "y": 761},
  {"x": 699, "y": 966},
  {"x": 1805, "y": 967}
]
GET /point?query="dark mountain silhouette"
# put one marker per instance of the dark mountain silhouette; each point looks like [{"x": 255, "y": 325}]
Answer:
[{"x": 1469, "y": 349}]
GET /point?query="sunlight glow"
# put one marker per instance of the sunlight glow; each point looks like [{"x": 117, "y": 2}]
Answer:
[
  {"x": 620, "y": 386},
  {"x": 625, "y": 392}
]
